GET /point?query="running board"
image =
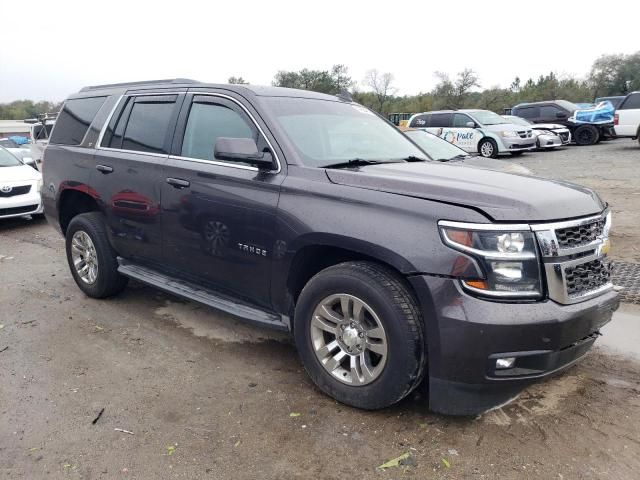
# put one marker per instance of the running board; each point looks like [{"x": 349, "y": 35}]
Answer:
[{"x": 207, "y": 297}]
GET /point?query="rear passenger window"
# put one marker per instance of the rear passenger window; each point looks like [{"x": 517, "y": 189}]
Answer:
[
  {"x": 74, "y": 120},
  {"x": 527, "y": 112},
  {"x": 441, "y": 120},
  {"x": 632, "y": 101},
  {"x": 421, "y": 121},
  {"x": 142, "y": 124},
  {"x": 209, "y": 120}
]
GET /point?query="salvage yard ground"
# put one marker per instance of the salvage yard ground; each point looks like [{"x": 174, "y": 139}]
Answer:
[{"x": 207, "y": 397}]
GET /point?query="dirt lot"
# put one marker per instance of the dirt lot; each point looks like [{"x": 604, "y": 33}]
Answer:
[{"x": 207, "y": 397}]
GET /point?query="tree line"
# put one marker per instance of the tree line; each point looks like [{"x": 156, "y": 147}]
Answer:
[{"x": 614, "y": 74}]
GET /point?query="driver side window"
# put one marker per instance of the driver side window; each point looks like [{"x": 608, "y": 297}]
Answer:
[
  {"x": 209, "y": 119},
  {"x": 460, "y": 120}
]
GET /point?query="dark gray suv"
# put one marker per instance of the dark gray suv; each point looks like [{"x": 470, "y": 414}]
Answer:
[{"x": 310, "y": 213}]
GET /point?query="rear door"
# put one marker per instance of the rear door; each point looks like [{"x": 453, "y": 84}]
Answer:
[
  {"x": 219, "y": 216},
  {"x": 629, "y": 116},
  {"x": 128, "y": 176}
]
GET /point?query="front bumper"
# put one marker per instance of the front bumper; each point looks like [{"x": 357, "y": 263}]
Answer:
[
  {"x": 466, "y": 334},
  {"x": 549, "y": 141},
  {"x": 29, "y": 203},
  {"x": 518, "y": 144}
]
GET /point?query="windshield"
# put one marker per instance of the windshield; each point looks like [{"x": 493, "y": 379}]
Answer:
[
  {"x": 437, "y": 148},
  {"x": 8, "y": 143},
  {"x": 7, "y": 159},
  {"x": 517, "y": 120},
  {"x": 325, "y": 132},
  {"x": 485, "y": 117}
]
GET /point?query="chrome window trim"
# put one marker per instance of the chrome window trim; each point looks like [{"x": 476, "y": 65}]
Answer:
[
  {"x": 233, "y": 164},
  {"x": 492, "y": 227},
  {"x": 113, "y": 111}
]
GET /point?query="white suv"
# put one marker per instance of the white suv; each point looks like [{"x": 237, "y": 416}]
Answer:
[{"x": 627, "y": 117}]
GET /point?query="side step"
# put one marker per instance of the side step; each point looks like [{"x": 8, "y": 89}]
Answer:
[{"x": 210, "y": 298}]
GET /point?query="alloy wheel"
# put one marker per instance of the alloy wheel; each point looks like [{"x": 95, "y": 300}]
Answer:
[
  {"x": 349, "y": 339},
  {"x": 84, "y": 256}
]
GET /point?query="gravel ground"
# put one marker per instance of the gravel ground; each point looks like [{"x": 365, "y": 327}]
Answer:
[{"x": 208, "y": 397}]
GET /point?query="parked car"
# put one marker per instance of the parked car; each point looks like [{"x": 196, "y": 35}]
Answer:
[
  {"x": 615, "y": 100},
  {"x": 399, "y": 119},
  {"x": 561, "y": 112},
  {"x": 23, "y": 152},
  {"x": 476, "y": 131},
  {"x": 627, "y": 117},
  {"x": 310, "y": 213},
  {"x": 442, "y": 151},
  {"x": 548, "y": 135},
  {"x": 20, "y": 186}
]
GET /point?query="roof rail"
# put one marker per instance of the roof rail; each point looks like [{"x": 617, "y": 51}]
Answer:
[{"x": 134, "y": 84}]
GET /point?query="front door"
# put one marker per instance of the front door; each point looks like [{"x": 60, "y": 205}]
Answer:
[
  {"x": 219, "y": 216},
  {"x": 129, "y": 173}
]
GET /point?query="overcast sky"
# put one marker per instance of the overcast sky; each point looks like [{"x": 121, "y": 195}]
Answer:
[{"x": 52, "y": 48}]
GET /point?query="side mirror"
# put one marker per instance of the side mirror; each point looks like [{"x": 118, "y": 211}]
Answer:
[
  {"x": 29, "y": 161},
  {"x": 561, "y": 115},
  {"x": 471, "y": 124},
  {"x": 241, "y": 150}
]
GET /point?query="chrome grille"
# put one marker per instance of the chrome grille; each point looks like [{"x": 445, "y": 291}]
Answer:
[
  {"x": 578, "y": 235},
  {"x": 574, "y": 257},
  {"x": 525, "y": 133},
  {"x": 587, "y": 276},
  {"x": 18, "y": 190}
]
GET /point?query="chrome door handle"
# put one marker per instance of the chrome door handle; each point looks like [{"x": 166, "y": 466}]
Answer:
[
  {"x": 104, "y": 168},
  {"x": 178, "y": 182}
]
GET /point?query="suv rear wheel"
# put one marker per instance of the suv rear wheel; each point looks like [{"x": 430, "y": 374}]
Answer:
[
  {"x": 92, "y": 261},
  {"x": 586, "y": 135},
  {"x": 359, "y": 334}
]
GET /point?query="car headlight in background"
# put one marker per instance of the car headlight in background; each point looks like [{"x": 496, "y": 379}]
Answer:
[
  {"x": 507, "y": 134},
  {"x": 508, "y": 258}
]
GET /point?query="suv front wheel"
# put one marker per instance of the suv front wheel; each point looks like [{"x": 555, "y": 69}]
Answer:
[
  {"x": 359, "y": 334},
  {"x": 91, "y": 258}
]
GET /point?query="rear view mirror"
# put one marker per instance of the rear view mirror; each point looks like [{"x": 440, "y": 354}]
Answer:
[
  {"x": 471, "y": 125},
  {"x": 242, "y": 150}
]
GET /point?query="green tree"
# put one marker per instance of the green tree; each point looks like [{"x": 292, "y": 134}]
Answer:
[
  {"x": 325, "y": 81},
  {"x": 237, "y": 81}
]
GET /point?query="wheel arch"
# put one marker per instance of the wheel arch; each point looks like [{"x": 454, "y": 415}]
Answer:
[{"x": 72, "y": 202}]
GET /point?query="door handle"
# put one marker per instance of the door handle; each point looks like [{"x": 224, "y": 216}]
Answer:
[
  {"x": 104, "y": 169},
  {"x": 178, "y": 182}
]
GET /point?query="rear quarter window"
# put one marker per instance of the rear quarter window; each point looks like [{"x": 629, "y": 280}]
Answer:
[
  {"x": 74, "y": 120},
  {"x": 631, "y": 102},
  {"x": 421, "y": 121}
]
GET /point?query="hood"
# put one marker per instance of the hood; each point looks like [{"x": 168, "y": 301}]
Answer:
[
  {"x": 506, "y": 127},
  {"x": 548, "y": 126},
  {"x": 501, "y": 196},
  {"x": 21, "y": 173}
]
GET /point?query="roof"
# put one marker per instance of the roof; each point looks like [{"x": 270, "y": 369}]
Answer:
[{"x": 257, "y": 90}]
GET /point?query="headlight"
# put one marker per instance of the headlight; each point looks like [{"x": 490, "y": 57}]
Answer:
[
  {"x": 508, "y": 259},
  {"x": 508, "y": 134}
]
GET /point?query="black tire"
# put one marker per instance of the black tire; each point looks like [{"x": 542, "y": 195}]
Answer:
[
  {"x": 108, "y": 282},
  {"x": 586, "y": 135},
  {"x": 488, "y": 148},
  {"x": 385, "y": 292},
  {"x": 516, "y": 154}
]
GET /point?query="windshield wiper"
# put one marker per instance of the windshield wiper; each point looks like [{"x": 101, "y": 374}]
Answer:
[
  {"x": 354, "y": 162},
  {"x": 460, "y": 156},
  {"x": 413, "y": 158}
]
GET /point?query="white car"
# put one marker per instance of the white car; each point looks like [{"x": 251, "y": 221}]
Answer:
[
  {"x": 476, "y": 131},
  {"x": 23, "y": 152},
  {"x": 626, "y": 120},
  {"x": 20, "y": 187},
  {"x": 548, "y": 135}
]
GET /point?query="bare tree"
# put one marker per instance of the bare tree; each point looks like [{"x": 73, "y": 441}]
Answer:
[
  {"x": 237, "y": 80},
  {"x": 467, "y": 79},
  {"x": 381, "y": 84}
]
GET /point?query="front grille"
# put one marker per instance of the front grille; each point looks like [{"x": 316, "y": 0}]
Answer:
[
  {"x": 587, "y": 276},
  {"x": 523, "y": 145},
  {"x": 20, "y": 190},
  {"x": 525, "y": 134},
  {"x": 576, "y": 236},
  {"x": 17, "y": 210},
  {"x": 564, "y": 136}
]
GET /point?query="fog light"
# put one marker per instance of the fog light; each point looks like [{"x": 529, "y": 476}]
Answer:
[{"x": 506, "y": 362}]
